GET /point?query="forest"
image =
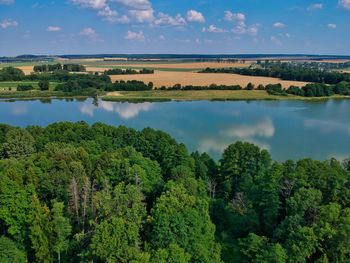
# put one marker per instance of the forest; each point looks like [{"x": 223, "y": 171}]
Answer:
[
  {"x": 118, "y": 71},
  {"x": 286, "y": 71},
  {"x": 71, "y": 192},
  {"x": 55, "y": 67}
]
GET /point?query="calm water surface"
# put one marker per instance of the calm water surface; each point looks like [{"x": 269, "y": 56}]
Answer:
[{"x": 288, "y": 129}]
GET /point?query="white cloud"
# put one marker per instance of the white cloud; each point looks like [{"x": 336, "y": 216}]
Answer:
[
  {"x": 132, "y": 10},
  {"x": 7, "y": 23},
  {"x": 195, "y": 16},
  {"x": 313, "y": 7},
  {"x": 54, "y": 29},
  {"x": 6, "y": 2},
  {"x": 241, "y": 26},
  {"x": 166, "y": 20},
  {"x": 135, "y": 4},
  {"x": 332, "y": 26},
  {"x": 279, "y": 25},
  {"x": 213, "y": 29},
  {"x": 276, "y": 40},
  {"x": 345, "y": 4},
  {"x": 229, "y": 16},
  {"x": 90, "y": 34},
  {"x": 142, "y": 16},
  {"x": 138, "y": 36},
  {"x": 93, "y": 4}
]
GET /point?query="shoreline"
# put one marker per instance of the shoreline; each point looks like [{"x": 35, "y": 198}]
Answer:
[{"x": 164, "y": 96}]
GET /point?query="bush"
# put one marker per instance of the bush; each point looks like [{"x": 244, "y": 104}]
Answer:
[
  {"x": 24, "y": 87},
  {"x": 44, "y": 85}
]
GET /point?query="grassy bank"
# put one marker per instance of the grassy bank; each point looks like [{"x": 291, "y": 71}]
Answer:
[
  {"x": 158, "y": 95},
  {"x": 37, "y": 94},
  {"x": 12, "y": 85}
]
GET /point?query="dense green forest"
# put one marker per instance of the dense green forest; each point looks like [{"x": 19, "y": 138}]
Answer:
[
  {"x": 55, "y": 67},
  {"x": 71, "y": 192},
  {"x": 286, "y": 71}
]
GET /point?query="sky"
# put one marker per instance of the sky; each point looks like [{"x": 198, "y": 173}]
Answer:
[{"x": 174, "y": 27}]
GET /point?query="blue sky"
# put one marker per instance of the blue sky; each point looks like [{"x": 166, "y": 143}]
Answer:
[{"x": 168, "y": 26}]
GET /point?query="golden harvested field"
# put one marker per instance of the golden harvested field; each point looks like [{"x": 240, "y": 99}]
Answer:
[
  {"x": 162, "y": 78},
  {"x": 100, "y": 65},
  {"x": 186, "y": 66},
  {"x": 26, "y": 69}
]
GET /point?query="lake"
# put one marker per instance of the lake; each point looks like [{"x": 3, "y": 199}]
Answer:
[{"x": 288, "y": 129}]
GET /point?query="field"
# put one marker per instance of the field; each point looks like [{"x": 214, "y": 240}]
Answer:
[
  {"x": 169, "y": 73},
  {"x": 160, "y": 66},
  {"x": 161, "y": 78}
]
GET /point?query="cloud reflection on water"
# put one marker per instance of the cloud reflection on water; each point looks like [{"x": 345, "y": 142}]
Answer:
[
  {"x": 253, "y": 133},
  {"x": 327, "y": 126},
  {"x": 124, "y": 110},
  {"x": 19, "y": 110}
]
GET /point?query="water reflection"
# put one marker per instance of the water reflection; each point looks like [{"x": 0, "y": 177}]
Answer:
[
  {"x": 124, "y": 110},
  {"x": 327, "y": 127},
  {"x": 289, "y": 129},
  {"x": 19, "y": 109},
  {"x": 253, "y": 133}
]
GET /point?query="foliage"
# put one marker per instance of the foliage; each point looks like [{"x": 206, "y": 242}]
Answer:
[{"x": 71, "y": 192}]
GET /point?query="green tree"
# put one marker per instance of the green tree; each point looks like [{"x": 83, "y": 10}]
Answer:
[
  {"x": 61, "y": 229},
  {"x": 178, "y": 218},
  {"x": 40, "y": 231},
  {"x": 10, "y": 253},
  {"x": 240, "y": 165},
  {"x": 171, "y": 254},
  {"x": 19, "y": 143},
  {"x": 118, "y": 240}
]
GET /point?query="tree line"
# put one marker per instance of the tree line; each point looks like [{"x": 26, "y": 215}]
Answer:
[
  {"x": 118, "y": 71},
  {"x": 71, "y": 192},
  {"x": 55, "y": 67},
  {"x": 286, "y": 73}
]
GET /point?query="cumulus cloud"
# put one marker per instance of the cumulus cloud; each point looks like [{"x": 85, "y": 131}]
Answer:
[
  {"x": 345, "y": 4},
  {"x": 6, "y": 2},
  {"x": 54, "y": 29},
  {"x": 332, "y": 26},
  {"x": 7, "y": 23},
  {"x": 279, "y": 25},
  {"x": 90, "y": 34},
  {"x": 138, "y": 36},
  {"x": 213, "y": 29},
  {"x": 133, "y": 10},
  {"x": 166, "y": 20},
  {"x": 195, "y": 16},
  {"x": 241, "y": 27},
  {"x": 313, "y": 7},
  {"x": 229, "y": 16}
]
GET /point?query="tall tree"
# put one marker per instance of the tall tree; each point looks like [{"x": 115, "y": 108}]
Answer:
[{"x": 61, "y": 229}]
